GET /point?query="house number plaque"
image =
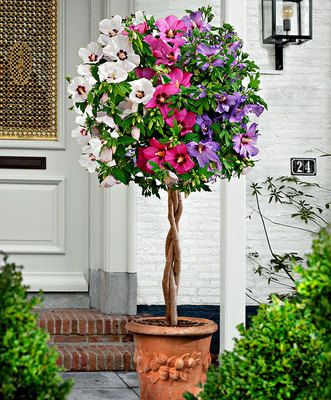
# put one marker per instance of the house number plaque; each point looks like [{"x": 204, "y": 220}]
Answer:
[{"x": 303, "y": 166}]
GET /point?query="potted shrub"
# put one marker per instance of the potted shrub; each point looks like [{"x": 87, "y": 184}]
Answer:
[{"x": 166, "y": 104}]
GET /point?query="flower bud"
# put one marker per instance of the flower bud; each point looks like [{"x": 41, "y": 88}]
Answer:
[
  {"x": 135, "y": 133},
  {"x": 104, "y": 98}
]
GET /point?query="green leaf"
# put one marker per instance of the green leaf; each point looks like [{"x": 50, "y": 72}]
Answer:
[
  {"x": 126, "y": 140},
  {"x": 119, "y": 175}
]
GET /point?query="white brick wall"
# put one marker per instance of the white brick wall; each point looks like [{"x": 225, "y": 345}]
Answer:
[{"x": 297, "y": 124}]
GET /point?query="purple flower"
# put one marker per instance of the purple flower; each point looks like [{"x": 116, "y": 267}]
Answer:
[
  {"x": 202, "y": 92},
  {"x": 238, "y": 114},
  {"x": 195, "y": 21},
  {"x": 234, "y": 46},
  {"x": 202, "y": 151},
  {"x": 205, "y": 122},
  {"x": 209, "y": 51},
  {"x": 229, "y": 102},
  {"x": 243, "y": 143}
]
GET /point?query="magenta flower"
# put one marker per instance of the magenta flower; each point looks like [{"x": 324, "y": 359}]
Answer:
[
  {"x": 155, "y": 153},
  {"x": 203, "y": 152},
  {"x": 147, "y": 73},
  {"x": 161, "y": 95},
  {"x": 178, "y": 77},
  {"x": 171, "y": 30},
  {"x": 185, "y": 120},
  {"x": 179, "y": 159},
  {"x": 243, "y": 143},
  {"x": 163, "y": 52}
]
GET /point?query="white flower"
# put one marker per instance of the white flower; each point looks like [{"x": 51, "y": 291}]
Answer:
[
  {"x": 110, "y": 28},
  {"x": 81, "y": 134},
  {"x": 114, "y": 134},
  {"x": 128, "y": 107},
  {"x": 89, "y": 162},
  {"x": 87, "y": 112},
  {"x": 104, "y": 118},
  {"x": 85, "y": 71},
  {"x": 139, "y": 18},
  {"x": 106, "y": 155},
  {"x": 112, "y": 72},
  {"x": 141, "y": 91},
  {"x": 93, "y": 147},
  {"x": 79, "y": 88},
  {"x": 109, "y": 181},
  {"x": 90, "y": 155},
  {"x": 92, "y": 54},
  {"x": 135, "y": 132},
  {"x": 120, "y": 49}
]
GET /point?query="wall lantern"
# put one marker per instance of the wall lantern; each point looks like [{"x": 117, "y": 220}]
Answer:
[{"x": 286, "y": 22}]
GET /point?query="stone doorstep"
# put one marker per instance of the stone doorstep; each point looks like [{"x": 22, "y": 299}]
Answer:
[{"x": 96, "y": 357}]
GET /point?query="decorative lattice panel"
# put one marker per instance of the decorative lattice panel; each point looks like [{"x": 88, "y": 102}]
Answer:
[{"x": 28, "y": 69}]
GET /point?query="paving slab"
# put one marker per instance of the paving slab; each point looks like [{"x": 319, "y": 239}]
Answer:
[
  {"x": 110, "y": 394},
  {"x": 129, "y": 378},
  {"x": 94, "y": 380}
]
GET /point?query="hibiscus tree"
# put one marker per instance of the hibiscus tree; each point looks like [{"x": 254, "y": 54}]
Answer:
[{"x": 166, "y": 104}]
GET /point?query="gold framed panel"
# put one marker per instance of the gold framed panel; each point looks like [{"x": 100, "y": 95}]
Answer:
[{"x": 28, "y": 69}]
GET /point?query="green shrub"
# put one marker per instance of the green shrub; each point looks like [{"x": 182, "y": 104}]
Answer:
[
  {"x": 285, "y": 354},
  {"x": 28, "y": 367}
]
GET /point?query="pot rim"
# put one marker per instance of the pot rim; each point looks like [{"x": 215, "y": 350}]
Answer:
[{"x": 209, "y": 328}]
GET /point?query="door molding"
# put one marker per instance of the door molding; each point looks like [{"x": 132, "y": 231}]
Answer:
[
  {"x": 55, "y": 282},
  {"x": 56, "y": 195}
]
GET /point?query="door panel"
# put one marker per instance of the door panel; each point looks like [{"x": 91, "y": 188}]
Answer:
[{"x": 44, "y": 213}]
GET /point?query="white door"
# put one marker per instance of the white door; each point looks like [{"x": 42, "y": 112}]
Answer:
[{"x": 44, "y": 214}]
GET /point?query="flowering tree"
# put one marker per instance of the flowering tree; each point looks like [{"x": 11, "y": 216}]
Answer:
[{"x": 164, "y": 104}]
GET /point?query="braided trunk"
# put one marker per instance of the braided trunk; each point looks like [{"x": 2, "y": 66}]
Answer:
[{"x": 171, "y": 274}]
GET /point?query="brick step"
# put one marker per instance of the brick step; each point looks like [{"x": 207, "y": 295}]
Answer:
[
  {"x": 88, "y": 340},
  {"x": 96, "y": 357},
  {"x": 82, "y": 322}
]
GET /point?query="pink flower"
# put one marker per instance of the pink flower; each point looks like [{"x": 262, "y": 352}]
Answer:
[
  {"x": 140, "y": 28},
  {"x": 163, "y": 52},
  {"x": 178, "y": 77},
  {"x": 178, "y": 158},
  {"x": 185, "y": 120},
  {"x": 160, "y": 96},
  {"x": 155, "y": 153},
  {"x": 170, "y": 28}
]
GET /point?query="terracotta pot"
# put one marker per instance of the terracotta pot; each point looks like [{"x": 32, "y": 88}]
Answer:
[{"x": 171, "y": 360}]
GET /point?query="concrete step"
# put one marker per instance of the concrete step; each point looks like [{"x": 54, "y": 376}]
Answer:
[{"x": 88, "y": 340}]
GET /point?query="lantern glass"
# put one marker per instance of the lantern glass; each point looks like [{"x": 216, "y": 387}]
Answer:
[{"x": 286, "y": 21}]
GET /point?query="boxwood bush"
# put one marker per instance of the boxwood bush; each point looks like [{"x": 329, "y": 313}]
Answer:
[
  {"x": 28, "y": 367},
  {"x": 286, "y": 352}
]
